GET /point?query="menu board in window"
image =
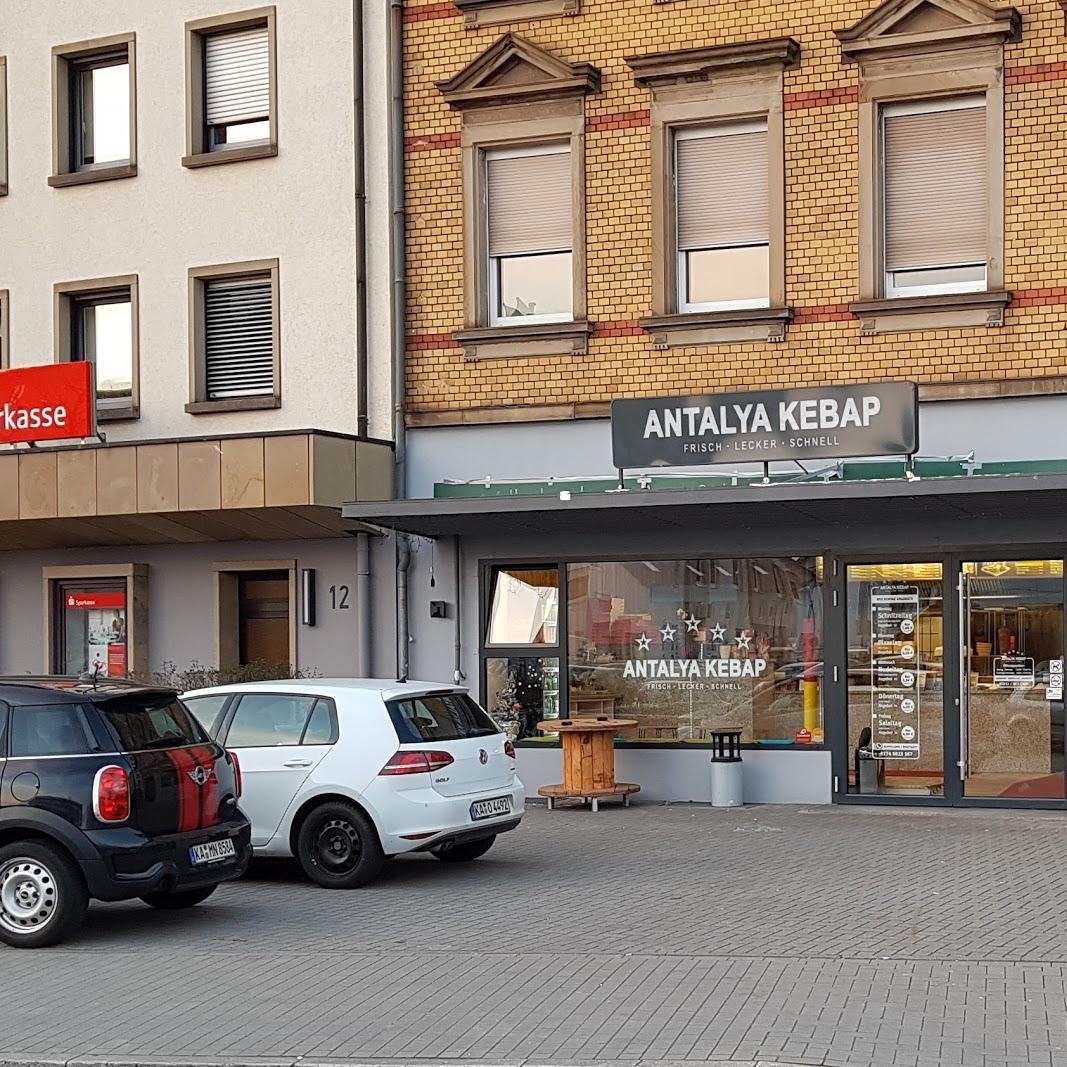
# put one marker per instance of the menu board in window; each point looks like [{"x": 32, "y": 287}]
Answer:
[{"x": 894, "y": 672}]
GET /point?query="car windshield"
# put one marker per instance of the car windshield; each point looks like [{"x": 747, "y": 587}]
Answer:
[
  {"x": 143, "y": 721},
  {"x": 439, "y": 717}
]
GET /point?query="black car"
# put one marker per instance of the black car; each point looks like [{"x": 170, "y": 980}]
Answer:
[{"x": 108, "y": 790}]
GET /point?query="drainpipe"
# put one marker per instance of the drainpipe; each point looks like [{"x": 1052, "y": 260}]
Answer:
[
  {"x": 364, "y": 661},
  {"x": 397, "y": 236},
  {"x": 360, "y": 194},
  {"x": 403, "y": 565},
  {"x": 457, "y": 674}
]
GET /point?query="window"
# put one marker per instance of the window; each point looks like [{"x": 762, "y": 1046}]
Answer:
[
  {"x": 688, "y": 646},
  {"x": 5, "y": 329},
  {"x": 718, "y": 191},
  {"x": 50, "y": 730},
  {"x": 232, "y": 92},
  {"x": 530, "y": 237},
  {"x": 140, "y": 722},
  {"x": 94, "y": 111},
  {"x": 208, "y": 710},
  {"x": 3, "y": 125},
  {"x": 439, "y": 717},
  {"x": 523, "y": 138},
  {"x": 525, "y": 607},
  {"x": 931, "y": 164},
  {"x": 935, "y": 196},
  {"x": 98, "y": 619},
  {"x": 720, "y": 176},
  {"x": 98, "y": 321},
  {"x": 267, "y": 720},
  {"x": 235, "y": 337}
]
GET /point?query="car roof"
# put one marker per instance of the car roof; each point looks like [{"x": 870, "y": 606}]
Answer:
[
  {"x": 26, "y": 690},
  {"x": 387, "y": 688}
]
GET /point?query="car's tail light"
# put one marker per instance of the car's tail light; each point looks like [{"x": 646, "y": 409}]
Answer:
[
  {"x": 238, "y": 780},
  {"x": 509, "y": 749},
  {"x": 416, "y": 763},
  {"x": 111, "y": 795}
]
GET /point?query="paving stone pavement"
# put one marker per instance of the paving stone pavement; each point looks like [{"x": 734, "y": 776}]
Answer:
[{"x": 651, "y": 935}]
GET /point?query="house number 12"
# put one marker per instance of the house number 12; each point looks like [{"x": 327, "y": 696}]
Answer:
[{"x": 339, "y": 597}]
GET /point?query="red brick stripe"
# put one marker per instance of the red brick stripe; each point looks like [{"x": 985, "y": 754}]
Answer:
[
  {"x": 1038, "y": 72},
  {"x": 821, "y": 313},
  {"x": 424, "y": 12},
  {"x": 1032, "y": 297},
  {"x": 620, "y": 120},
  {"x": 621, "y": 328},
  {"x": 423, "y": 342},
  {"x": 430, "y": 142},
  {"x": 846, "y": 94}
]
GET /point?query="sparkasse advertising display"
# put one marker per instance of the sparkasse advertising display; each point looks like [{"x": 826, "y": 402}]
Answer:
[
  {"x": 51, "y": 402},
  {"x": 834, "y": 422}
]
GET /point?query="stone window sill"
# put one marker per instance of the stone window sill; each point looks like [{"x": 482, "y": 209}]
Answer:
[
  {"x": 118, "y": 413},
  {"x": 719, "y": 327},
  {"x": 230, "y": 155},
  {"x": 911, "y": 313},
  {"x": 240, "y": 403},
  {"x": 88, "y": 177},
  {"x": 518, "y": 342},
  {"x": 493, "y": 12}
]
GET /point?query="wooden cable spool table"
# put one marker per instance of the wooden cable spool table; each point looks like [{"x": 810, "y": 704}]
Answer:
[{"x": 588, "y": 760}]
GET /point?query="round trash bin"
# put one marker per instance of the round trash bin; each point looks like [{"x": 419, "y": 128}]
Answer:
[{"x": 727, "y": 784}]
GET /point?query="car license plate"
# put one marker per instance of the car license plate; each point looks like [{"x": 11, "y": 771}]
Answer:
[
  {"x": 486, "y": 809},
  {"x": 212, "y": 852}
]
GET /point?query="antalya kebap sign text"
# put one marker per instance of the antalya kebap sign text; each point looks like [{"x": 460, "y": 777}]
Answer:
[
  {"x": 824, "y": 423},
  {"x": 51, "y": 402}
]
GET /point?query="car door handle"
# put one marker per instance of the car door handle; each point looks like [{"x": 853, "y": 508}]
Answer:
[{"x": 297, "y": 763}]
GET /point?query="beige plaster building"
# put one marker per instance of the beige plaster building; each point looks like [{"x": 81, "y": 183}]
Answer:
[{"x": 194, "y": 196}]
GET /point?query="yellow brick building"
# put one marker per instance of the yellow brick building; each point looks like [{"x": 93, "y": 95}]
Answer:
[{"x": 1014, "y": 347}]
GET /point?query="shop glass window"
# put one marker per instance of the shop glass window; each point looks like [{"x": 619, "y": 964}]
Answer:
[
  {"x": 101, "y": 325},
  {"x": 266, "y": 720},
  {"x": 522, "y": 691},
  {"x": 722, "y": 223},
  {"x": 524, "y": 608},
  {"x": 50, "y": 730},
  {"x": 530, "y": 234},
  {"x": 896, "y": 679},
  {"x": 91, "y": 628},
  {"x": 936, "y": 196},
  {"x": 689, "y": 646}
]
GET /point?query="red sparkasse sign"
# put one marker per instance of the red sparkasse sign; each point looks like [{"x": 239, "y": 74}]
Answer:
[
  {"x": 96, "y": 600},
  {"x": 51, "y": 402}
]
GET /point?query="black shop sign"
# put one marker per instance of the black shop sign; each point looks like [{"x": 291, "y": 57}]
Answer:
[{"x": 836, "y": 422}]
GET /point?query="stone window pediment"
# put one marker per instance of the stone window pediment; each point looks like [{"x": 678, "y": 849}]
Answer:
[
  {"x": 514, "y": 70},
  {"x": 903, "y": 27}
]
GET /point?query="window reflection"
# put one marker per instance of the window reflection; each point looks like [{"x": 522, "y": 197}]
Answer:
[
  {"x": 525, "y": 607},
  {"x": 688, "y": 646}
]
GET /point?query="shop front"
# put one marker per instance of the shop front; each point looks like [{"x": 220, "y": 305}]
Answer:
[{"x": 893, "y": 633}]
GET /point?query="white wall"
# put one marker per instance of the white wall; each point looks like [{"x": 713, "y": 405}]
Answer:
[{"x": 298, "y": 207}]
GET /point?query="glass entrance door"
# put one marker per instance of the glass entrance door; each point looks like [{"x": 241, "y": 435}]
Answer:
[
  {"x": 896, "y": 680},
  {"x": 1012, "y": 717}
]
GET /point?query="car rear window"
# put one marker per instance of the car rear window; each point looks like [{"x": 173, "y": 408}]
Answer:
[
  {"x": 439, "y": 717},
  {"x": 141, "y": 721},
  {"x": 50, "y": 730}
]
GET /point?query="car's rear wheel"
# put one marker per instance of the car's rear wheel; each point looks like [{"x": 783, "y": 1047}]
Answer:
[
  {"x": 465, "y": 853},
  {"x": 43, "y": 897},
  {"x": 188, "y": 898},
  {"x": 338, "y": 847}
]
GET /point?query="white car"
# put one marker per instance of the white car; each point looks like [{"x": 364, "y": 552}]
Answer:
[{"x": 344, "y": 773}]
